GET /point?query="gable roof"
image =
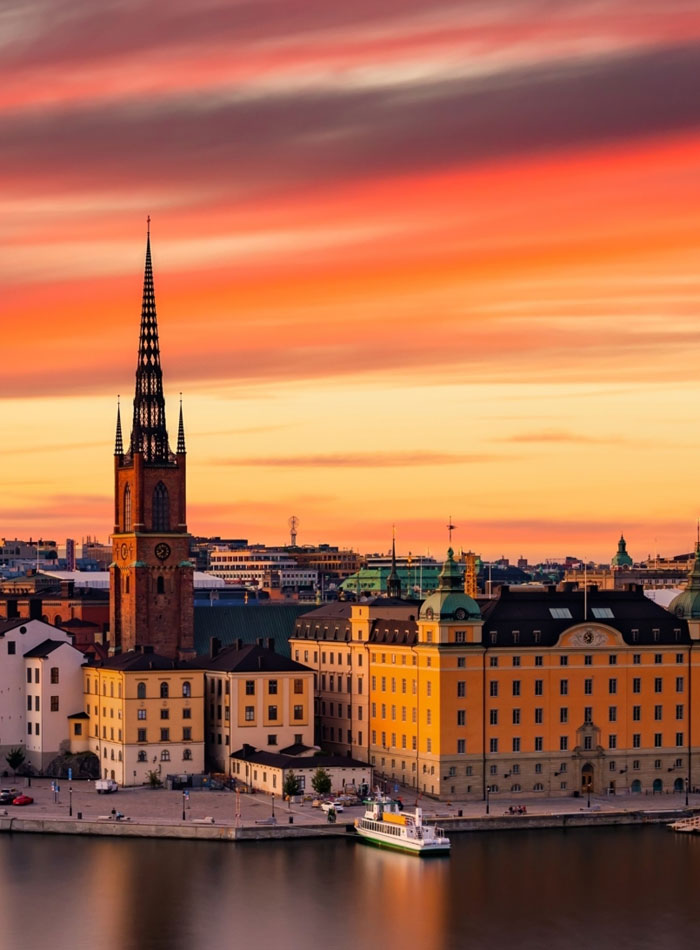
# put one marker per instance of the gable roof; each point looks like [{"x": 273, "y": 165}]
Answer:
[
  {"x": 246, "y": 622},
  {"x": 250, "y": 659},
  {"x": 42, "y": 650},
  {"x": 298, "y": 763}
]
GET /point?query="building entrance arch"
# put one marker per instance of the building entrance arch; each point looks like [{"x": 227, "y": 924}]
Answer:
[
  {"x": 658, "y": 786},
  {"x": 636, "y": 787}
]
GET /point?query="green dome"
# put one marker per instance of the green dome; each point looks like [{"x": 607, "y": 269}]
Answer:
[
  {"x": 687, "y": 604},
  {"x": 621, "y": 558},
  {"x": 449, "y": 602}
]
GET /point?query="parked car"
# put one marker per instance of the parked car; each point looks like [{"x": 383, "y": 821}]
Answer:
[
  {"x": 23, "y": 800},
  {"x": 7, "y": 796},
  {"x": 106, "y": 785},
  {"x": 336, "y": 806}
]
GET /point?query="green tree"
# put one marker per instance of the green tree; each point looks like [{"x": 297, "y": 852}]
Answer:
[
  {"x": 15, "y": 757},
  {"x": 153, "y": 779},
  {"x": 321, "y": 782},
  {"x": 291, "y": 786}
]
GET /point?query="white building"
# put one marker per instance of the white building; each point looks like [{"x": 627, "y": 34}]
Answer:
[
  {"x": 256, "y": 567},
  {"x": 41, "y": 684}
]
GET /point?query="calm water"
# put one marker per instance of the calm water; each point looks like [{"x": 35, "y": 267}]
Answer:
[{"x": 617, "y": 888}]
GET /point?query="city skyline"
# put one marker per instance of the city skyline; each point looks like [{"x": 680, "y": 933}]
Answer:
[{"x": 410, "y": 261}]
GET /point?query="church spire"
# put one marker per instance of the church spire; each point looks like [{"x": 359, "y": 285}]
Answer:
[
  {"x": 118, "y": 442},
  {"x": 181, "y": 433},
  {"x": 149, "y": 435},
  {"x": 393, "y": 583}
]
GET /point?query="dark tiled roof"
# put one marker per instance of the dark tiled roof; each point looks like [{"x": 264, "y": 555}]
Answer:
[
  {"x": 296, "y": 763},
  {"x": 77, "y": 622},
  {"x": 248, "y": 623},
  {"x": 80, "y": 715},
  {"x": 394, "y": 631},
  {"x": 7, "y": 625},
  {"x": 140, "y": 662},
  {"x": 529, "y": 612},
  {"x": 249, "y": 659},
  {"x": 332, "y": 621},
  {"x": 298, "y": 748},
  {"x": 42, "y": 650}
]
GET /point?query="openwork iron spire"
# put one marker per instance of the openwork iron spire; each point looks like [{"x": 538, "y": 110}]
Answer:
[
  {"x": 181, "y": 433},
  {"x": 393, "y": 584},
  {"x": 149, "y": 435},
  {"x": 118, "y": 442}
]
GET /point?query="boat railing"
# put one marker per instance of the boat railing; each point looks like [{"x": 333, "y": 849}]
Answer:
[{"x": 686, "y": 824}]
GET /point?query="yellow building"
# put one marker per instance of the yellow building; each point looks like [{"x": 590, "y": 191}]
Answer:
[
  {"x": 146, "y": 714},
  {"x": 256, "y": 698}
]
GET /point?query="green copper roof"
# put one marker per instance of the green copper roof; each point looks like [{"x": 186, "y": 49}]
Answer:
[
  {"x": 450, "y": 602},
  {"x": 622, "y": 558},
  {"x": 687, "y": 604}
]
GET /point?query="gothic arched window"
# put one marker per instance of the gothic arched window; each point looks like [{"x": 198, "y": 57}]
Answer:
[
  {"x": 127, "y": 507},
  {"x": 161, "y": 508},
  {"x": 164, "y": 692}
]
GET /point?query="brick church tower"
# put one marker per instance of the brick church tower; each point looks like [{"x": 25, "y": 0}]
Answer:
[{"x": 151, "y": 577}]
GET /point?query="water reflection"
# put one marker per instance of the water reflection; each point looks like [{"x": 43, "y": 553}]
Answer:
[{"x": 621, "y": 888}]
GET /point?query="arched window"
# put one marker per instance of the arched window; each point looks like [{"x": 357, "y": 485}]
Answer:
[
  {"x": 161, "y": 508},
  {"x": 57, "y": 620},
  {"x": 127, "y": 507},
  {"x": 141, "y": 691},
  {"x": 160, "y": 584},
  {"x": 111, "y": 690},
  {"x": 142, "y": 755},
  {"x": 165, "y": 755},
  {"x": 186, "y": 690},
  {"x": 164, "y": 691},
  {"x": 187, "y": 755}
]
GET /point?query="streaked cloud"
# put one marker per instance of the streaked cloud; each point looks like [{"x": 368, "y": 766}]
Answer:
[{"x": 358, "y": 460}]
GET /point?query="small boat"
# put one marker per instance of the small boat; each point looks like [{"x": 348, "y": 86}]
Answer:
[
  {"x": 384, "y": 824},
  {"x": 687, "y": 825}
]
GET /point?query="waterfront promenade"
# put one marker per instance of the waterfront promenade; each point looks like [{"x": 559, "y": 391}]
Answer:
[{"x": 159, "y": 812}]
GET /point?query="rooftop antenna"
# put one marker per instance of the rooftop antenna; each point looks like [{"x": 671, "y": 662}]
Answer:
[
  {"x": 293, "y": 523},
  {"x": 450, "y": 528}
]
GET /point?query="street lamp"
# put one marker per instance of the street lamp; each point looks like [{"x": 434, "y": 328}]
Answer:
[
  {"x": 687, "y": 788},
  {"x": 184, "y": 802},
  {"x": 488, "y": 792},
  {"x": 588, "y": 792},
  {"x": 273, "y": 806},
  {"x": 70, "y": 802}
]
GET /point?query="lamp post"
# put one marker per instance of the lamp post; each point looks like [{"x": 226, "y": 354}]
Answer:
[
  {"x": 70, "y": 801},
  {"x": 687, "y": 788},
  {"x": 273, "y": 806},
  {"x": 588, "y": 792},
  {"x": 488, "y": 792},
  {"x": 184, "y": 802}
]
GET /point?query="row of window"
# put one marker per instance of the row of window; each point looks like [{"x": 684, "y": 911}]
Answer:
[
  {"x": 164, "y": 713},
  {"x": 332, "y": 683},
  {"x": 53, "y": 675},
  {"x": 329, "y": 732},
  {"x": 53, "y": 702},
  {"x": 587, "y": 742},
  {"x": 539, "y": 769},
  {"x": 587, "y": 686},
  {"x": 516, "y": 714},
  {"x": 142, "y": 735},
  {"x": 218, "y": 738},
  {"x": 588, "y": 659},
  {"x": 297, "y": 713},
  {"x": 160, "y": 508},
  {"x": 322, "y": 706},
  {"x": 141, "y": 689}
]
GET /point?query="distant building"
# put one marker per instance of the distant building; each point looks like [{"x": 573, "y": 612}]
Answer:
[{"x": 267, "y": 771}]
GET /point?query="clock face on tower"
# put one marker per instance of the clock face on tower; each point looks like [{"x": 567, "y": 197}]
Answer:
[
  {"x": 162, "y": 551},
  {"x": 124, "y": 552}
]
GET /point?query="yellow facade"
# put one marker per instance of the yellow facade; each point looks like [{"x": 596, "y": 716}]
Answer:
[{"x": 145, "y": 721}]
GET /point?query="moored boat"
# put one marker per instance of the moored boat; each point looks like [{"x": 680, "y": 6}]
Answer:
[{"x": 384, "y": 824}]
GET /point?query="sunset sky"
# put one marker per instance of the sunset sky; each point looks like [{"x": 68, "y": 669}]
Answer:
[{"x": 412, "y": 259}]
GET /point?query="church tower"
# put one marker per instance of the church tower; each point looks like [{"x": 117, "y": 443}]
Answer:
[{"x": 151, "y": 577}]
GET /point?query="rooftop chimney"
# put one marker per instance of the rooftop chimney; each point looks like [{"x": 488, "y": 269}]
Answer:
[
  {"x": 271, "y": 644},
  {"x": 214, "y": 646}
]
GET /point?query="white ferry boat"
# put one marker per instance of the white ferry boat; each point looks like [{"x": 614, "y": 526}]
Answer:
[{"x": 386, "y": 825}]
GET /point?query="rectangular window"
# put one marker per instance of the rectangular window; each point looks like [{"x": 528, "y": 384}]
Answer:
[
  {"x": 11, "y": 647},
  {"x": 658, "y": 740},
  {"x": 250, "y": 687},
  {"x": 637, "y": 659},
  {"x": 679, "y": 684},
  {"x": 493, "y": 688},
  {"x": 539, "y": 715},
  {"x": 272, "y": 713},
  {"x": 187, "y": 733},
  {"x": 588, "y": 660},
  {"x": 679, "y": 657},
  {"x": 493, "y": 661},
  {"x": 658, "y": 684},
  {"x": 54, "y": 704},
  {"x": 36, "y": 703},
  {"x": 298, "y": 712},
  {"x": 36, "y": 675},
  {"x": 165, "y": 713},
  {"x": 538, "y": 661},
  {"x": 141, "y": 735},
  {"x": 54, "y": 674},
  {"x": 461, "y": 688},
  {"x": 516, "y": 687},
  {"x": 636, "y": 685},
  {"x": 165, "y": 735},
  {"x": 612, "y": 714},
  {"x": 516, "y": 744},
  {"x": 29, "y": 703},
  {"x": 493, "y": 717},
  {"x": 428, "y": 716},
  {"x": 539, "y": 687},
  {"x": 658, "y": 658},
  {"x": 461, "y": 717},
  {"x": 637, "y": 713},
  {"x": 272, "y": 687},
  {"x": 612, "y": 659},
  {"x": 516, "y": 717},
  {"x": 658, "y": 713},
  {"x": 563, "y": 743},
  {"x": 564, "y": 688},
  {"x": 679, "y": 738},
  {"x": 461, "y": 661},
  {"x": 564, "y": 714},
  {"x": 461, "y": 747},
  {"x": 539, "y": 743},
  {"x": 587, "y": 742},
  {"x": 679, "y": 712},
  {"x": 612, "y": 685},
  {"x": 563, "y": 661},
  {"x": 588, "y": 714},
  {"x": 187, "y": 712},
  {"x": 612, "y": 742},
  {"x": 249, "y": 713},
  {"x": 493, "y": 745},
  {"x": 636, "y": 740}
]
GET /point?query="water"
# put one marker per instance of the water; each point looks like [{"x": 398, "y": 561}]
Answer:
[{"x": 609, "y": 888}]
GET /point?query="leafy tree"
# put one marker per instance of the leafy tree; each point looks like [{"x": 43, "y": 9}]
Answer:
[
  {"x": 15, "y": 757},
  {"x": 153, "y": 779},
  {"x": 291, "y": 786},
  {"x": 321, "y": 782}
]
